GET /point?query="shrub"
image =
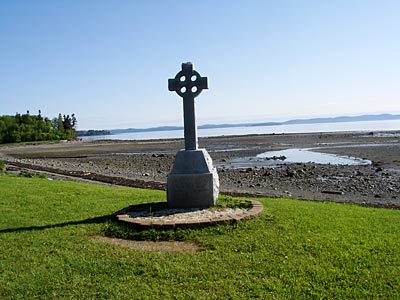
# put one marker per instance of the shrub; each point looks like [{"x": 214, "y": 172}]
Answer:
[
  {"x": 2, "y": 167},
  {"x": 26, "y": 174},
  {"x": 30, "y": 174}
]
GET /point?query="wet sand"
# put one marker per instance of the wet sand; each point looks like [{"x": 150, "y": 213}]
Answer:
[{"x": 147, "y": 163}]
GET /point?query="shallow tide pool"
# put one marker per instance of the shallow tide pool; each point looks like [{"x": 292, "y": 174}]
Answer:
[
  {"x": 276, "y": 158},
  {"x": 306, "y": 155}
]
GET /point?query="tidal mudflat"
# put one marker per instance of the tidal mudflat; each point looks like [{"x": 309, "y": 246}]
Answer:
[{"x": 357, "y": 167}]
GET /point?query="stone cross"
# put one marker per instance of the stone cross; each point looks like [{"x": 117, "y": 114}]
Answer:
[
  {"x": 193, "y": 181},
  {"x": 188, "y": 84}
]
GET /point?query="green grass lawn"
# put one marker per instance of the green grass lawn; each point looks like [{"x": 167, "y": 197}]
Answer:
[{"x": 296, "y": 250}]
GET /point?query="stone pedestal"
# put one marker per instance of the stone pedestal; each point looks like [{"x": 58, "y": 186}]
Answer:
[{"x": 193, "y": 181}]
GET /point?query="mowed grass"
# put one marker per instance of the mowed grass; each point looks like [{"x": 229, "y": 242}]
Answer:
[{"x": 296, "y": 250}]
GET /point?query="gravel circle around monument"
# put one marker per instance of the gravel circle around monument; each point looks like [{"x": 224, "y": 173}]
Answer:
[{"x": 159, "y": 216}]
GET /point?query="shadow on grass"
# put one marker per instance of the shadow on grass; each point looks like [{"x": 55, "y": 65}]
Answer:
[{"x": 95, "y": 220}]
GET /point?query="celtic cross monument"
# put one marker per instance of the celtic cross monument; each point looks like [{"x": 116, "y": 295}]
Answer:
[{"x": 193, "y": 181}]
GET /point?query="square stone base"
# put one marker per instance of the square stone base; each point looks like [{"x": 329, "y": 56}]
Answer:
[
  {"x": 193, "y": 181},
  {"x": 191, "y": 190}
]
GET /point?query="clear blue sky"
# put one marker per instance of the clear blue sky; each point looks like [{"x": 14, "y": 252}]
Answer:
[{"x": 109, "y": 61}]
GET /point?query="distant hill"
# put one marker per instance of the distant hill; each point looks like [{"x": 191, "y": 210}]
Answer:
[
  {"x": 160, "y": 128},
  {"x": 344, "y": 119},
  {"x": 93, "y": 132},
  {"x": 361, "y": 118}
]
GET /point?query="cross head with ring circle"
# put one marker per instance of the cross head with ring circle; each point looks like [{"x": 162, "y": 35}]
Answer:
[{"x": 188, "y": 83}]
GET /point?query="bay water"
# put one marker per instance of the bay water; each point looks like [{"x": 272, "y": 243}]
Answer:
[{"x": 364, "y": 126}]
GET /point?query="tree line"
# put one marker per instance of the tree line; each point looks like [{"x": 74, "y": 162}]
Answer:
[{"x": 30, "y": 128}]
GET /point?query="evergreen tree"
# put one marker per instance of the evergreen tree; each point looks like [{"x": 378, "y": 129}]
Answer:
[
  {"x": 27, "y": 128},
  {"x": 74, "y": 122}
]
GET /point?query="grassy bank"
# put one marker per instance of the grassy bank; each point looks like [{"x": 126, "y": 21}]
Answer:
[{"x": 296, "y": 250}]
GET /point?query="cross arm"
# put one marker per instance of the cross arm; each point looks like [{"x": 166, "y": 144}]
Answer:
[{"x": 172, "y": 85}]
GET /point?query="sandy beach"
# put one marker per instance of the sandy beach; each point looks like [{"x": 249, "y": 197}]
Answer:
[{"x": 373, "y": 179}]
